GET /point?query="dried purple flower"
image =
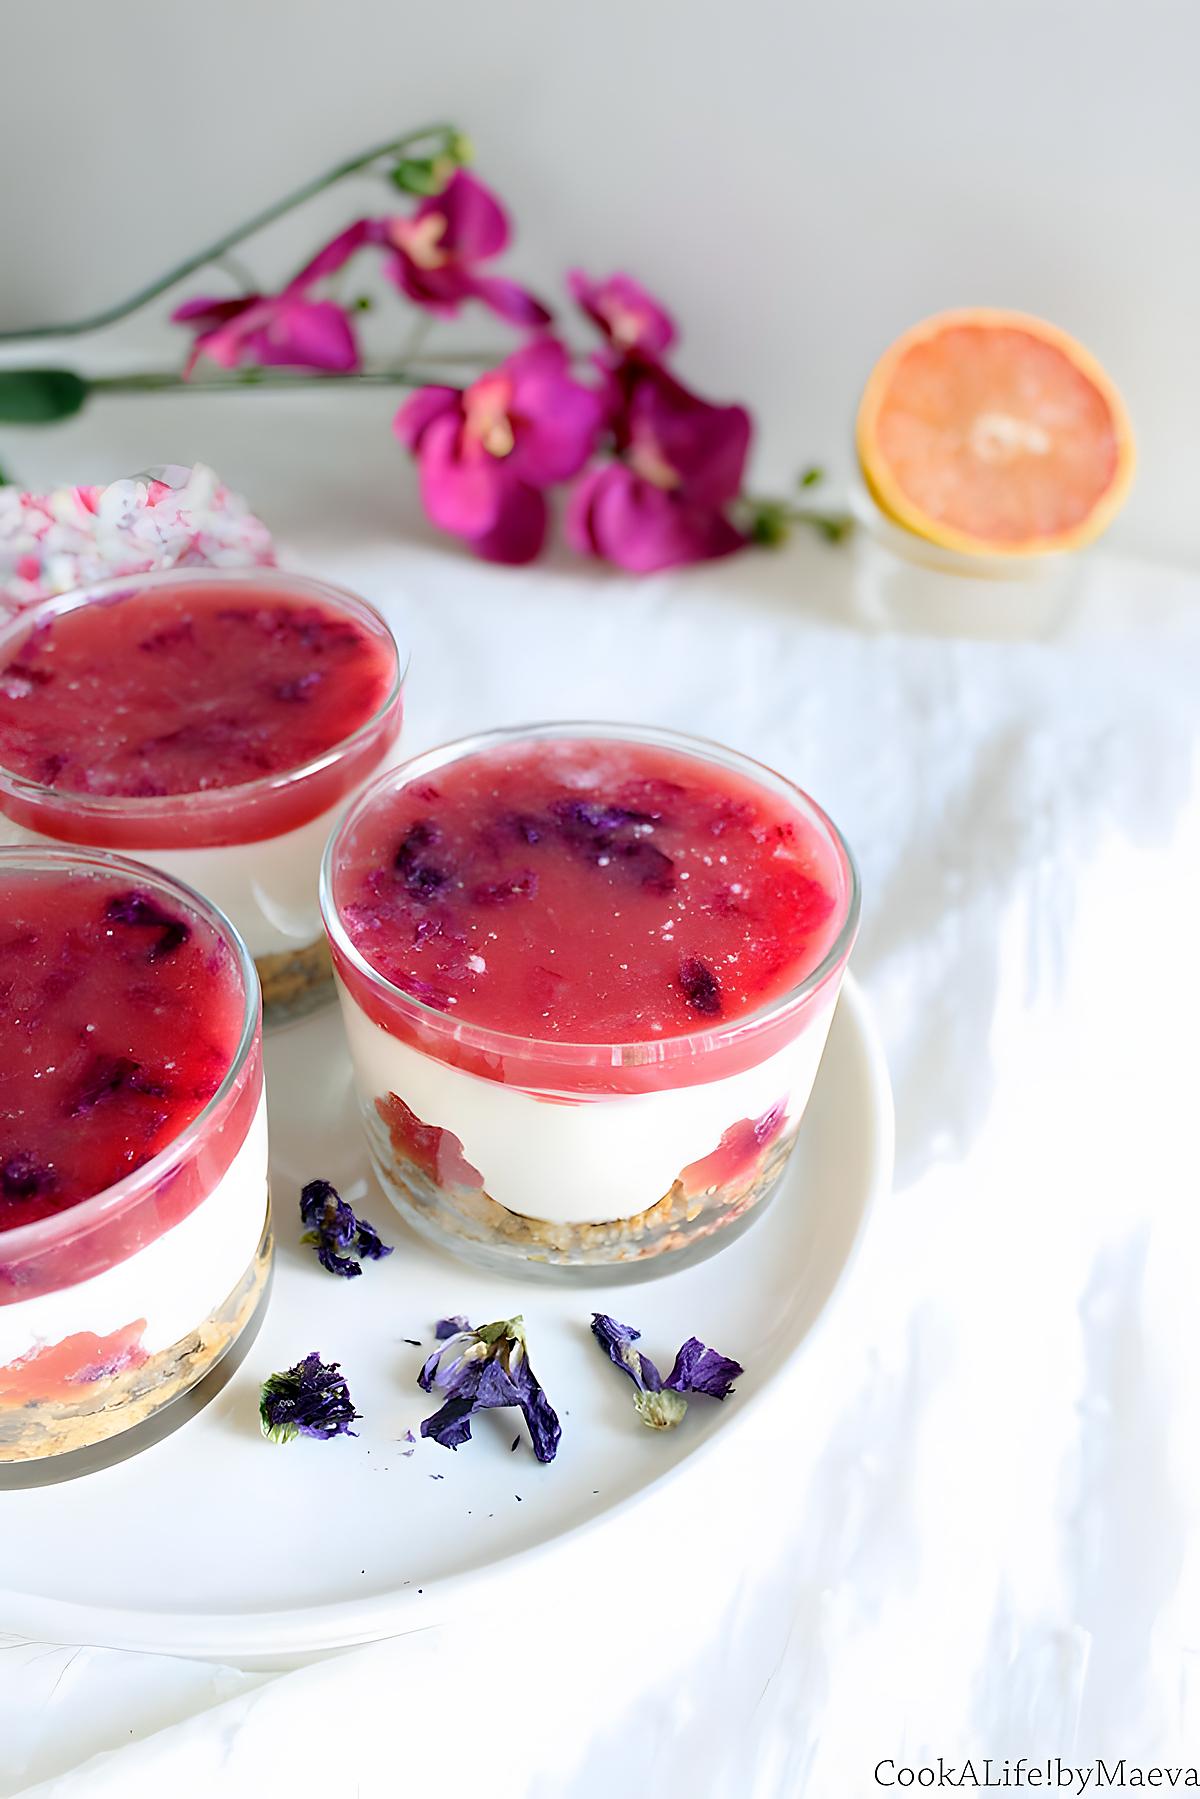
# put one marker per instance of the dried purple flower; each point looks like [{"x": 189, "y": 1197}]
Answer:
[
  {"x": 22, "y": 1176},
  {"x": 660, "y": 1403},
  {"x": 596, "y": 815},
  {"x": 480, "y": 1369},
  {"x": 528, "y": 828},
  {"x": 449, "y": 1327},
  {"x": 423, "y": 879},
  {"x": 137, "y": 908},
  {"x": 309, "y": 1400},
  {"x": 106, "y": 1075},
  {"x": 650, "y": 866},
  {"x": 333, "y": 1229},
  {"x": 701, "y": 988}
]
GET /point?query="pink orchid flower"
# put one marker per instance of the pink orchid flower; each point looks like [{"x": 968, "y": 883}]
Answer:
[
  {"x": 663, "y": 502},
  {"x": 631, "y": 319},
  {"x": 286, "y": 330},
  {"x": 487, "y": 453},
  {"x": 435, "y": 251}
]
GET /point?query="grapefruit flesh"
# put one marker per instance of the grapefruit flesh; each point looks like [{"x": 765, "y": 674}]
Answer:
[{"x": 994, "y": 433}]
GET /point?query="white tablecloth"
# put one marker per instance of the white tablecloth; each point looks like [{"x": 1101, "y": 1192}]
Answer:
[{"x": 969, "y": 1525}]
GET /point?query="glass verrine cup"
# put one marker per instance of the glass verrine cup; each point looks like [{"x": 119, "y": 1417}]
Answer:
[
  {"x": 903, "y": 582},
  {"x": 254, "y": 845},
  {"x": 120, "y": 1304},
  {"x": 523, "y": 1152}
]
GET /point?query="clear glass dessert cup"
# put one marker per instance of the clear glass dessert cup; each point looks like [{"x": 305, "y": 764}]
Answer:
[
  {"x": 904, "y": 583},
  {"x": 694, "y": 1131},
  {"x": 122, "y": 1314},
  {"x": 255, "y": 848}
]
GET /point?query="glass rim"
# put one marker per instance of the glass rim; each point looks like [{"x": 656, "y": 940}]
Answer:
[
  {"x": 197, "y": 800},
  {"x": 41, "y": 1231},
  {"x": 634, "y": 1050}
]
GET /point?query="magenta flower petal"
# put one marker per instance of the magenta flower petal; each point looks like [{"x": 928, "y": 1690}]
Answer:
[
  {"x": 580, "y": 504},
  {"x": 629, "y": 317},
  {"x": 556, "y": 420},
  {"x": 476, "y": 225},
  {"x": 510, "y": 301},
  {"x": 206, "y": 311},
  {"x": 418, "y": 413},
  {"x": 335, "y": 254},
  {"x": 276, "y": 329},
  {"x": 435, "y": 251},
  {"x": 619, "y": 515},
  {"x": 462, "y": 487},
  {"x": 520, "y": 529},
  {"x": 300, "y": 333},
  {"x": 704, "y": 446}
]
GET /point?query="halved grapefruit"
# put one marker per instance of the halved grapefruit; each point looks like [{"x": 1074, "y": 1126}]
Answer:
[{"x": 994, "y": 433}]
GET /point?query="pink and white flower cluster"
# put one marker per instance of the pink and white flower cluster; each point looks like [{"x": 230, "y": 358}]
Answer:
[{"x": 170, "y": 518}]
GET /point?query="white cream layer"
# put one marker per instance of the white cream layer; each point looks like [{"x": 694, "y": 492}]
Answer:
[
  {"x": 586, "y": 1161},
  {"x": 174, "y": 1283}
]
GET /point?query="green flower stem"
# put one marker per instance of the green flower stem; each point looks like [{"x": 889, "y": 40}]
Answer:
[
  {"x": 170, "y": 380},
  {"x": 354, "y": 165},
  {"x": 770, "y": 521}
]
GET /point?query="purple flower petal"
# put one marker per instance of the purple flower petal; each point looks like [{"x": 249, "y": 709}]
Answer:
[
  {"x": 483, "y": 1369},
  {"x": 701, "y": 1370},
  {"x": 370, "y": 1244},
  {"x": 449, "y": 1327},
  {"x": 617, "y": 1341},
  {"x": 334, "y": 1229},
  {"x": 451, "y": 1425},
  {"x": 329, "y": 1259},
  {"x": 660, "y": 1403}
]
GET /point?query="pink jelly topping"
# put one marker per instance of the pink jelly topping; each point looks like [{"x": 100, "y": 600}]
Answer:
[
  {"x": 588, "y": 891},
  {"x": 191, "y": 689},
  {"x": 120, "y": 1015}
]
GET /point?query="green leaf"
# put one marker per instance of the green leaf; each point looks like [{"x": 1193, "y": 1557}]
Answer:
[
  {"x": 40, "y": 396},
  {"x": 811, "y": 476},
  {"x": 424, "y": 175},
  {"x": 7, "y": 480},
  {"x": 769, "y": 524}
]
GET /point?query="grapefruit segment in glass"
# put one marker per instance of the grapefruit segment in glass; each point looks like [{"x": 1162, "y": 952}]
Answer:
[{"x": 994, "y": 433}]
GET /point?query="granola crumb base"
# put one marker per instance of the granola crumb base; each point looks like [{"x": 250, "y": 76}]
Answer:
[
  {"x": 106, "y": 1408},
  {"x": 674, "y": 1223},
  {"x": 295, "y": 981}
]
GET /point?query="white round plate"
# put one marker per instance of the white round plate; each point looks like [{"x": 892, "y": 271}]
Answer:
[{"x": 216, "y": 1543}]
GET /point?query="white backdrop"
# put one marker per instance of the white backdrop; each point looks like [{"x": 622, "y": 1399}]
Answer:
[{"x": 800, "y": 181}]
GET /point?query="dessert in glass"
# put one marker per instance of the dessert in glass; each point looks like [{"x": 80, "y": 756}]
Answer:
[
  {"x": 211, "y": 723},
  {"x": 134, "y": 1228},
  {"x": 587, "y": 973}
]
